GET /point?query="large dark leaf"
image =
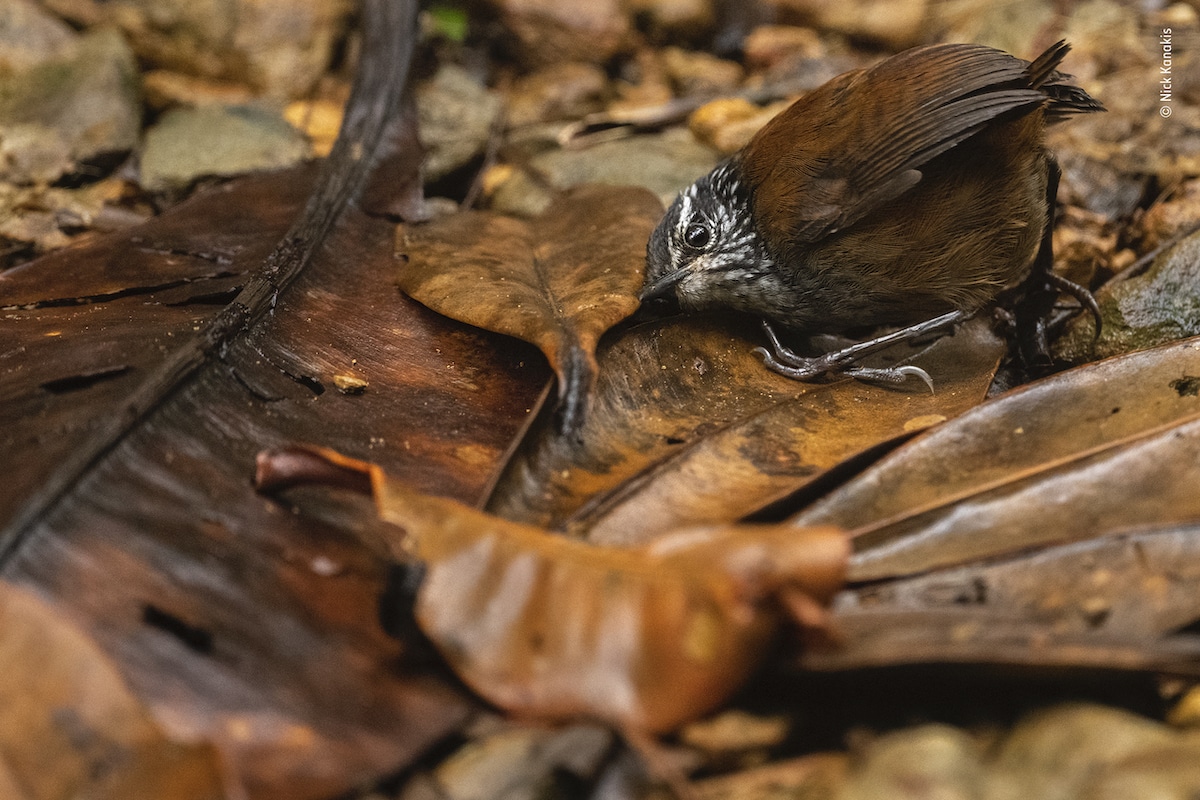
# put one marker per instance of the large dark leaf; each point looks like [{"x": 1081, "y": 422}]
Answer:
[
  {"x": 69, "y": 727},
  {"x": 1112, "y": 603},
  {"x": 137, "y": 389},
  {"x": 1052, "y": 526}
]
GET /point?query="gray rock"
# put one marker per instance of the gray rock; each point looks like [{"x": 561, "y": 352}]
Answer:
[
  {"x": 79, "y": 104},
  {"x": 1055, "y": 753},
  {"x": 564, "y": 91},
  {"x": 187, "y": 144},
  {"x": 664, "y": 163},
  {"x": 918, "y": 763},
  {"x": 456, "y": 114},
  {"x": 28, "y": 35},
  {"x": 1160, "y": 305},
  {"x": 547, "y": 32},
  {"x": 279, "y": 47},
  {"x": 675, "y": 20}
]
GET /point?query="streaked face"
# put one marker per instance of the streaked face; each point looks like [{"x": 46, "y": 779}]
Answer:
[{"x": 705, "y": 251}]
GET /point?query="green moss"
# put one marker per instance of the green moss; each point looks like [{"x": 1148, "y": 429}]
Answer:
[{"x": 1160, "y": 305}]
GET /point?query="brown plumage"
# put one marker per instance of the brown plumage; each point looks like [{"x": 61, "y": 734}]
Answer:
[{"x": 886, "y": 196}]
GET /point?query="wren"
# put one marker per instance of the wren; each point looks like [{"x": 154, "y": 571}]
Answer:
[{"x": 911, "y": 193}]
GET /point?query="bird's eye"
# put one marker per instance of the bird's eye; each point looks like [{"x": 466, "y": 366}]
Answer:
[{"x": 696, "y": 236}]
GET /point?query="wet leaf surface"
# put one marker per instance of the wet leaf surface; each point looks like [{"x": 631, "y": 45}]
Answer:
[
  {"x": 137, "y": 414},
  {"x": 1096, "y": 449},
  {"x": 70, "y": 727},
  {"x": 237, "y": 619},
  {"x": 689, "y": 426},
  {"x": 558, "y": 281},
  {"x": 741, "y": 467},
  {"x": 84, "y": 326}
]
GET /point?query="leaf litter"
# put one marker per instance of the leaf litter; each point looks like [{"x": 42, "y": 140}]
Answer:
[
  {"x": 545, "y": 626},
  {"x": 1099, "y": 579}
]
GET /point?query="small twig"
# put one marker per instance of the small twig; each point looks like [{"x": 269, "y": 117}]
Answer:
[
  {"x": 490, "y": 154},
  {"x": 606, "y": 126},
  {"x": 1140, "y": 266}
]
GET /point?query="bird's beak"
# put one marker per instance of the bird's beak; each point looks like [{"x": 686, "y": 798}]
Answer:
[{"x": 661, "y": 286}]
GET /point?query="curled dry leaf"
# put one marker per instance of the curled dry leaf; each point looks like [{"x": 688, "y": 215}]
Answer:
[
  {"x": 70, "y": 727},
  {"x": 558, "y": 281},
  {"x": 1097, "y": 449},
  {"x": 644, "y": 638},
  {"x": 688, "y": 427}
]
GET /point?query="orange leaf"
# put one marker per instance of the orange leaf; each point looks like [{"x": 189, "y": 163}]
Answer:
[{"x": 645, "y": 638}]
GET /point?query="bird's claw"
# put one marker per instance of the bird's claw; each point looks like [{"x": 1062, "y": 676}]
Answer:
[{"x": 782, "y": 360}]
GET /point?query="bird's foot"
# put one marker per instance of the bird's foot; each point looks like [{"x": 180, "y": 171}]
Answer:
[
  {"x": 782, "y": 359},
  {"x": 1086, "y": 299}
]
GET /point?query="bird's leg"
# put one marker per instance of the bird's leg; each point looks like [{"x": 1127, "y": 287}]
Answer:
[
  {"x": 783, "y": 360},
  {"x": 1040, "y": 290}
]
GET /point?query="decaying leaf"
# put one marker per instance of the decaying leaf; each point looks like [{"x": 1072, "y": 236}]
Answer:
[
  {"x": 70, "y": 727},
  {"x": 1096, "y": 449},
  {"x": 142, "y": 372},
  {"x": 688, "y": 426},
  {"x": 754, "y": 460},
  {"x": 542, "y": 625},
  {"x": 558, "y": 281},
  {"x": 1114, "y": 603},
  {"x": 1144, "y": 584}
]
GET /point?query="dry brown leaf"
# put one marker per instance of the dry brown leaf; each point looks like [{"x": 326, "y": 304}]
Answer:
[
  {"x": 753, "y": 461},
  {"x": 70, "y": 727},
  {"x": 559, "y": 281},
  {"x": 1113, "y": 602},
  {"x": 1099, "y": 448},
  {"x": 144, "y": 370},
  {"x": 689, "y": 426},
  {"x": 541, "y": 625},
  {"x": 1144, "y": 584}
]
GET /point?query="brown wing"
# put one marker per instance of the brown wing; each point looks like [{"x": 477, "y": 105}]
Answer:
[{"x": 859, "y": 141}]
